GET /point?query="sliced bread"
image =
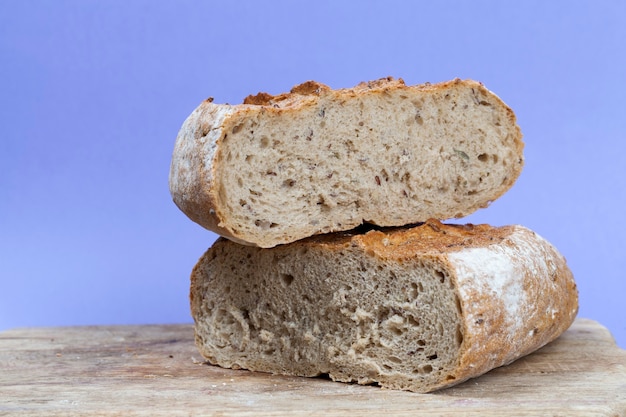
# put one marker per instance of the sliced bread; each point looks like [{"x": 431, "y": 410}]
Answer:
[
  {"x": 277, "y": 169},
  {"x": 407, "y": 308}
]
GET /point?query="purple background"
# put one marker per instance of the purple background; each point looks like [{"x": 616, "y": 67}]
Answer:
[{"x": 92, "y": 94}]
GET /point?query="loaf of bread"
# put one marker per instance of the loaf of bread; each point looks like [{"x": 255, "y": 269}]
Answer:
[
  {"x": 407, "y": 308},
  {"x": 277, "y": 169}
]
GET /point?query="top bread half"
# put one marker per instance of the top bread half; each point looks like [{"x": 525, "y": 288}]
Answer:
[{"x": 277, "y": 169}]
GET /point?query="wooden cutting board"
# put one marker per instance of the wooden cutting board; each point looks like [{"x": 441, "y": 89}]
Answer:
[{"x": 156, "y": 370}]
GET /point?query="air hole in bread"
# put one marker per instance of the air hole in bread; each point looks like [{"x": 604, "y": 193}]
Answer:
[
  {"x": 413, "y": 291},
  {"x": 237, "y": 128},
  {"x": 264, "y": 224},
  {"x": 412, "y": 321},
  {"x": 394, "y": 359},
  {"x": 459, "y": 336},
  {"x": 286, "y": 279}
]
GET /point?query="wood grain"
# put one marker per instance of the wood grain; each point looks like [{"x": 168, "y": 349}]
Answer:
[{"x": 156, "y": 370}]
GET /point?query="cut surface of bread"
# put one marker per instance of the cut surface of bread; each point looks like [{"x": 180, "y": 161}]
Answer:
[
  {"x": 277, "y": 169},
  {"x": 407, "y": 308}
]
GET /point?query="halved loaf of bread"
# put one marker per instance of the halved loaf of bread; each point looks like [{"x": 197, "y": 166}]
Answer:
[
  {"x": 414, "y": 309},
  {"x": 278, "y": 169}
]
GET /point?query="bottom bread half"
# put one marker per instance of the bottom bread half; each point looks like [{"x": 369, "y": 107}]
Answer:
[{"x": 416, "y": 308}]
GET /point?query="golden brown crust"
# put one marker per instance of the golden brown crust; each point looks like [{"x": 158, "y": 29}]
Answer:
[
  {"x": 307, "y": 88},
  {"x": 405, "y": 242},
  {"x": 432, "y": 236},
  {"x": 314, "y": 88}
]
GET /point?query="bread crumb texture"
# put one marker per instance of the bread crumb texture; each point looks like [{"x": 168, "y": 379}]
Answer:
[
  {"x": 415, "y": 309},
  {"x": 277, "y": 169}
]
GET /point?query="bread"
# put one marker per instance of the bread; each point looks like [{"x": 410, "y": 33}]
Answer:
[
  {"x": 278, "y": 169},
  {"x": 407, "y": 308}
]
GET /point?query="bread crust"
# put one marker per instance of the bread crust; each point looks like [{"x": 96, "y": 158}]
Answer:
[
  {"x": 196, "y": 181},
  {"x": 192, "y": 172},
  {"x": 514, "y": 289}
]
